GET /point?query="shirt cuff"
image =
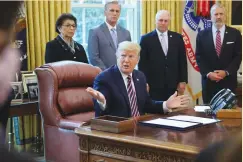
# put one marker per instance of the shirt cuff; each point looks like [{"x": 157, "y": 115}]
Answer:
[
  {"x": 208, "y": 74},
  {"x": 165, "y": 108},
  {"x": 102, "y": 105}
]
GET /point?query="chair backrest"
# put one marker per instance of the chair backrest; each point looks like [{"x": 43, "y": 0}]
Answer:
[{"x": 62, "y": 89}]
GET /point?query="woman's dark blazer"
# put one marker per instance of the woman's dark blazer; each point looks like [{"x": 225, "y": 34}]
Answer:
[{"x": 58, "y": 50}]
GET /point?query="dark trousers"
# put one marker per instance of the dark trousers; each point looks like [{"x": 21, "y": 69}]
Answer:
[{"x": 161, "y": 94}]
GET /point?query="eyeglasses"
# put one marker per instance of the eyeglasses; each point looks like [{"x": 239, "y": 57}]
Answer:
[{"x": 69, "y": 26}]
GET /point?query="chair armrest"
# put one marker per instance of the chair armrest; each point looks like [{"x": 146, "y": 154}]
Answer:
[{"x": 70, "y": 124}]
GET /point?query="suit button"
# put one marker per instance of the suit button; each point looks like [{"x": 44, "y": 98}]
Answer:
[{"x": 74, "y": 57}]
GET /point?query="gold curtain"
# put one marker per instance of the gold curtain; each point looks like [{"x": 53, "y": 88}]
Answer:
[
  {"x": 228, "y": 7},
  {"x": 41, "y": 17},
  {"x": 150, "y": 8}
]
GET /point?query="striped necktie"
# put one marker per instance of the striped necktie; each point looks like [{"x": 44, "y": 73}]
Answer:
[
  {"x": 132, "y": 97},
  {"x": 218, "y": 43}
]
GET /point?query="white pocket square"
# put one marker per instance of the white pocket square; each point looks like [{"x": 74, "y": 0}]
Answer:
[{"x": 229, "y": 42}]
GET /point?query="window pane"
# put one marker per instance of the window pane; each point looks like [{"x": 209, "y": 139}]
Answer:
[
  {"x": 78, "y": 12},
  {"x": 93, "y": 18},
  {"x": 126, "y": 19},
  {"x": 102, "y": 1},
  {"x": 90, "y": 14},
  {"x": 88, "y": 18},
  {"x": 86, "y": 1}
]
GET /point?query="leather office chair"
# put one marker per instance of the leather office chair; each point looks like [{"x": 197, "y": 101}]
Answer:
[{"x": 64, "y": 105}]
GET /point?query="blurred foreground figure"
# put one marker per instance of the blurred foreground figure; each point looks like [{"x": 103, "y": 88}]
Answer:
[
  {"x": 9, "y": 57},
  {"x": 9, "y": 65},
  {"x": 229, "y": 150}
]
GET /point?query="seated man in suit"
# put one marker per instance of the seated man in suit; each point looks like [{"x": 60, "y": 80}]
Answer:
[{"x": 121, "y": 90}]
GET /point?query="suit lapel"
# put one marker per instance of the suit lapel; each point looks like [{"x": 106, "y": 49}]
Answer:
[
  {"x": 108, "y": 34},
  {"x": 170, "y": 40},
  {"x": 224, "y": 41},
  {"x": 211, "y": 42},
  {"x": 119, "y": 34},
  {"x": 120, "y": 83}
]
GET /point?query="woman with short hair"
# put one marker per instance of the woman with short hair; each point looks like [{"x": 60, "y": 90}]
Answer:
[{"x": 63, "y": 47}]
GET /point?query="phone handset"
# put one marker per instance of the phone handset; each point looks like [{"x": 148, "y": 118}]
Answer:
[
  {"x": 220, "y": 101},
  {"x": 231, "y": 101},
  {"x": 224, "y": 99},
  {"x": 218, "y": 98}
]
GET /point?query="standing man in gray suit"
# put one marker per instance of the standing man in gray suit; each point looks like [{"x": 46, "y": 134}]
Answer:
[{"x": 104, "y": 39}]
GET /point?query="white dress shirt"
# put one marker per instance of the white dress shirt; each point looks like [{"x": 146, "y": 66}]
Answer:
[{"x": 110, "y": 27}]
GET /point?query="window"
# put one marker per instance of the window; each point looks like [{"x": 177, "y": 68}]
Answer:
[{"x": 90, "y": 13}]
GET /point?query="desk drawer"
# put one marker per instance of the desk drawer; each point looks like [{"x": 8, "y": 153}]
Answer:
[{"x": 96, "y": 158}]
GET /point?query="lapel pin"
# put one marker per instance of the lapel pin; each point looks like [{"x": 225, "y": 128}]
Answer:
[
  {"x": 137, "y": 79},
  {"x": 171, "y": 36},
  {"x": 226, "y": 32}
]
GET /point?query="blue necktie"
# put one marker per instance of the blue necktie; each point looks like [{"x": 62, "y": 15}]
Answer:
[{"x": 114, "y": 36}]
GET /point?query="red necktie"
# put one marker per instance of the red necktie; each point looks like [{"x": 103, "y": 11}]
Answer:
[
  {"x": 132, "y": 97},
  {"x": 218, "y": 43}
]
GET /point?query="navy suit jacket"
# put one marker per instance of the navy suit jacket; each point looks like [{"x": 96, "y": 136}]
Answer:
[{"x": 111, "y": 84}]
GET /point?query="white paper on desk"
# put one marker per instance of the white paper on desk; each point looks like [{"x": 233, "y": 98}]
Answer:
[
  {"x": 201, "y": 108},
  {"x": 171, "y": 123},
  {"x": 194, "y": 119}
]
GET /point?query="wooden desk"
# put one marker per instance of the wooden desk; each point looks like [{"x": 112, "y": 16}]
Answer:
[{"x": 148, "y": 144}]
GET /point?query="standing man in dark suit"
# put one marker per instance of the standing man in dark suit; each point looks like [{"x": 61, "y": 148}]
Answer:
[
  {"x": 121, "y": 90},
  {"x": 163, "y": 59},
  {"x": 103, "y": 40},
  {"x": 218, "y": 55}
]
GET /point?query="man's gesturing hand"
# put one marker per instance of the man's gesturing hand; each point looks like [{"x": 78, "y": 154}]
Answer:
[
  {"x": 96, "y": 94},
  {"x": 177, "y": 101}
]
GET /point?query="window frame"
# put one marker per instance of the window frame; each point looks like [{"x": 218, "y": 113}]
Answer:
[{"x": 133, "y": 22}]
